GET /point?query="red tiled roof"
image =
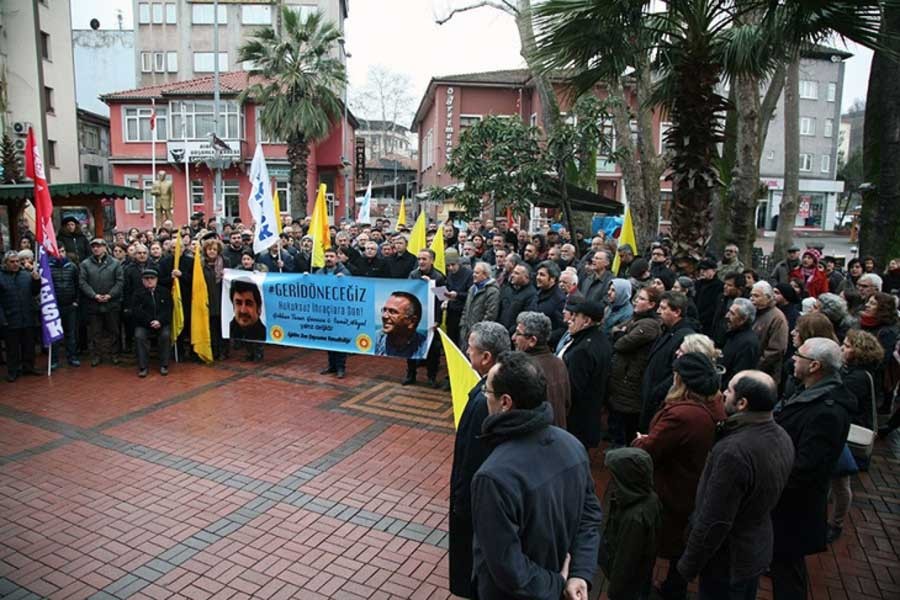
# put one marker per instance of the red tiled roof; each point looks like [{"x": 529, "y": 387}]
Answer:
[{"x": 230, "y": 84}]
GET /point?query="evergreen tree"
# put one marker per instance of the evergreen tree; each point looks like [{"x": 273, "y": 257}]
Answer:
[{"x": 12, "y": 172}]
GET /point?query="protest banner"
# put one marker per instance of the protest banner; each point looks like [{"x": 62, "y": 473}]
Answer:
[{"x": 360, "y": 315}]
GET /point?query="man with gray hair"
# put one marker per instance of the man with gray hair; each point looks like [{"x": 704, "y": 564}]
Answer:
[
  {"x": 868, "y": 285},
  {"x": 741, "y": 349},
  {"x": 817, "y": 419},
  {"x": 486, "y": 341},
  {"x": 532, "y": 335},
  {"x": 595, "y": 286},
  {"x": 771, "y": 327},
  {"x": 568, "y": 281}
]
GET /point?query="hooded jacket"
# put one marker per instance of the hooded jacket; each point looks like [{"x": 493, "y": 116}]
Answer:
[
  {"x": 631, "y": 524},
  {"x": 620, "y": 310},
  {"x": 630, "y": 355},
  {"x": 533, "y": 501},
  {"x": 817, "y": 419}
]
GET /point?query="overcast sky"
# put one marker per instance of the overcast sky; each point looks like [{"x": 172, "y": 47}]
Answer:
[{"x": 402, "y": 35}]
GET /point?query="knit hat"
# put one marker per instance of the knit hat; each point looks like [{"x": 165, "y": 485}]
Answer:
[
  {"x": 638, "y": 267},
  {"x": 788, "y": 291},
  {"x": 816, "y": 255},
  {"x": 69, "y": 218},
  {"x": 451, "y": 256},
  {"x": 698, "y": 373}
]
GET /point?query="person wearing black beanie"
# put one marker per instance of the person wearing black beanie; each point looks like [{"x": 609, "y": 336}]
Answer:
[
  {"x": 788, "y": 301},
  {"x": 680, "y": 437}
]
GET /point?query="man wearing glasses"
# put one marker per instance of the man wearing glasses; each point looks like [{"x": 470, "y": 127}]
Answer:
[
  {"x": 868, "y": 285},
  {"x": 730, "y": 262},
  {"x": 817, "y": 419}
]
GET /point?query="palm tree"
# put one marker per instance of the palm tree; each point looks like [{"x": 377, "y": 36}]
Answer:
[
  {"x": 298, "y": 87},
  {"x": 697, "y": 46}
]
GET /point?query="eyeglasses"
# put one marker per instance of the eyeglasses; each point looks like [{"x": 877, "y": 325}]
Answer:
[
  {"x": 488, "y": 391},
  {"x": 805, "y": 357}
]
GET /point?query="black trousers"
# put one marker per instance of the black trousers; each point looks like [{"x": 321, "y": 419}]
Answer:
[
  {"x": 19, "y": 349},
  {"x": 432, "y": 359},
  {"x": 142, "y": 337},
  {"x": 790, "y": 581},
  {"x": 453, "y": 319},
  {"x": 103, "y": 333}
]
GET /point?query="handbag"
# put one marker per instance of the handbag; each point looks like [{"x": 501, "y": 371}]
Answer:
[
  {"x": 861, "y": 440},
  {"x": 846, "y": 464}
]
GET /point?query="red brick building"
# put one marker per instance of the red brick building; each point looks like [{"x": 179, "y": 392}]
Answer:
[
  {"x": 453, "y": 102},
  {"x": 184, "y": 119}
]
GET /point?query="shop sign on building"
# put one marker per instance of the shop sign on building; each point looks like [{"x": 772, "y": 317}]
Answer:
[
  {"x": 202, "y": 150},
  {"x": 448, "y": 129}
]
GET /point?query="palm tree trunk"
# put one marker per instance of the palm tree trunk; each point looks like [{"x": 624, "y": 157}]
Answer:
[
  {"x": 745, "y": 185},
  {"x": 790, "y": 200},
  {"x": 298, "y": 157},
  {"x": 651, "y": 160},
  {"x": 880, "y": 228}
]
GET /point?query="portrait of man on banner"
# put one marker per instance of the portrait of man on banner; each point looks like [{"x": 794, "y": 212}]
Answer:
[
  {"x": 399, "y": 335},
  {"x": 245, "y": 300}
]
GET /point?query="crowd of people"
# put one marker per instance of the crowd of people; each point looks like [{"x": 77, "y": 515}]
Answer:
[{"x": 724, "y": 396}]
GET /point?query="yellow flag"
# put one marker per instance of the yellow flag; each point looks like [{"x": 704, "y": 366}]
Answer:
[
  {"x": 200, "y": 336},
  {"x": 626, "y": 236},
  {"x": 401, "y": 215},
  {"x": 277, "y": 203},
  {"x": 177, "y": 307},
  {"x": 437, "y": 244},
  {"x": 462, "y": 376},
  {"x": 318, "y": 229},
  {"x": 417, "y": 237}
]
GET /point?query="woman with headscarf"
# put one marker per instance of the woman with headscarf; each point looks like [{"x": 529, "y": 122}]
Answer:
[
  {"x": 808, "y": 271},
  {"x": 788, "y": 302},
  {"x": 680, "y": 437},
  {"x": 618, "y": 305}
]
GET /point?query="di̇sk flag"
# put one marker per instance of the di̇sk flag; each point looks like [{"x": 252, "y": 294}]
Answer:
[{"x": 43, "y": 205}]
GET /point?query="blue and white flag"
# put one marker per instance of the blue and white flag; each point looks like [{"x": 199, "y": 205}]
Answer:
[
  {"x": 363, "y": 216},
  {"x": 51, "y": 319},
  {"x": 265, "y": 232}
]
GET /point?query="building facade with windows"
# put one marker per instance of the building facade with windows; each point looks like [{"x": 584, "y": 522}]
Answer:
[
  {"x": 38, "y": 77},
  {"x": 184, "y": 120},
  {"x": 821, "y": 84},
  {"x": 93, "y": 147},
  {"x": 174, "y": 38}
]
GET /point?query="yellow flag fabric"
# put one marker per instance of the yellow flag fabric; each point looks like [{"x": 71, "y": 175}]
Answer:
[
  {"x": 401, "y": 215},
  {"x": 318, "y": 229},
  {"x": 626, "y": 236},
  {"x": 177, "y": 307},
  {"x": 276, "y": 201},
  {"x": 200, "y": 336},
  {"x": 437, "y": 244},
  {"x": 417, "y": 237},
  {"x": 462, "y": 376}
]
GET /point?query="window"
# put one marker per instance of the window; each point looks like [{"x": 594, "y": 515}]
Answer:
[
  {"x": 832, "y": 92},
  {"x": 664, "y": 128},
  {"x": 157, "y": 14},
  {"x": 149, "y": 200},
  {"x": 809, "y": 89},
  {"x": 170, "y": 14},
  {"x": 826, "y": 163},
  {"x": 45, "y": 45},
  {"x": 248, "y": 65},
  {"x": 90, "y": 138},
  {"x": 428, "y": 149},
  {"x": 806, "y": 161},
  {"x": 194, "y": 119},
  {"x": 143, "y": 13},
  {"x": 304, "y": 11},
  {"x": 256, "y": 14},
  {"x": 51, "y": 153},
  {"x": 146, "y": 62},
  {"x": 533, "y": 120},
  {"x": 283, "y": 187},
  {"x": 172, "y": 62},
  {"x": 807, "y": 126},
  {"x": 828, "y": 128},
  {"x": 159, "y": 62},
  {"x": 137, "y": 124},
  {"x": 466, "y": 121},
  {"x": 261, "y": 136},
  {"x": 231, "y": 194},
  {"x": 93, "y": 174},
  {"x": 132, "y": 205},
  {"x": 204, "y": 62},
  {"x": 202, "y": 14},
  {"x": 197, "y": 195},
  {"x": 48, "y": 99}
]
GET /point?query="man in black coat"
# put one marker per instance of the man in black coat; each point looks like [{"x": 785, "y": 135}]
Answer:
[
  {"x": 151, "y": 310},
  {"x": 741, "y": 351},
  {"x": 517, "y": 296},
  {"x": 658, "y": 375},
  {"x": 459, "y": 280},
  {"x": 234, "y": 250},
  {"x": 587, "y": 358},
  {"x": 550, "y": 298},
  {"x": 730, "y": 540},
  {"x": 732, "y": 287},
  {"x": 596, "y": 284},
  {"x": 73, "y": 240},
  {"x": 403, "y": 262},
  {"x": 432, "y": 360},
  {"x": 18, "y": 318},
  {"x": 372, "y": 265},
  {"x": 65, "y": 284},
  {"x": 707, "y": 291},
  {"x": 817, "y": 419},
  {"x": 486, "y": 341},
  {"x": 535, "y": 511}
]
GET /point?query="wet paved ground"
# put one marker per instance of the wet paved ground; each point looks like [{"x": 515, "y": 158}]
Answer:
[{"x": 272, "y": 481}]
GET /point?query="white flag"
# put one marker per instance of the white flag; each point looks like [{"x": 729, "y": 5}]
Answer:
[
  {"x": 265, "y": 234},
  {"x": 363, "y": 216}
]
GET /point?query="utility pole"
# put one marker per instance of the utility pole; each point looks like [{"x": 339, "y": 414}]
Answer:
[{"x": 218, "y": 208}]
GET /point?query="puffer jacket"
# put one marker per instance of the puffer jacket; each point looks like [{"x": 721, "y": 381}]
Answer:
[
  {"x": 102, "y": 276},
  {"x": 17, "y": 292},
  {"x": 65, "y": 281},
  {"x": 630, "y": 356}
]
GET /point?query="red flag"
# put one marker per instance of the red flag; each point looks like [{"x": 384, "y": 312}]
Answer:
[
  {"x": 43, "y": 206},
  {"x": 153, "y": 115},
  {"x": 509, "y": 217}
]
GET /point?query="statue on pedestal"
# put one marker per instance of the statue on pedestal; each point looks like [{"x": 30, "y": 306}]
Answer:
[{"x": 162, "y": 195}]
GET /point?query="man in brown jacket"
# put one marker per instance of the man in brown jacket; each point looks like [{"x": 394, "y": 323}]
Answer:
[
  {"x": 771, "y": 327},
  {"x": 531, "y": 336}
]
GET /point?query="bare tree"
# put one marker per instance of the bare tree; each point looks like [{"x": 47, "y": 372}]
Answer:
[
  {"x": 790, "y": 199},
  {"x": 385, "y": 98}
]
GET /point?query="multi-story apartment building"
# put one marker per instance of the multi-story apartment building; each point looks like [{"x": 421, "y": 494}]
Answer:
[
  {"x": 37, "y": 77},
  {"x": 821, "y": 84},
  {"x": 174, "y": 38},
  {"x": 184, "y": 120},
  {"x": 384, "y": 138},
  {"x": 93, "y": 147}
]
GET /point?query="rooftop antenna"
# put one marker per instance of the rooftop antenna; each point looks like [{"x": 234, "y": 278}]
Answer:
[{"x": 119, "y": 18}]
